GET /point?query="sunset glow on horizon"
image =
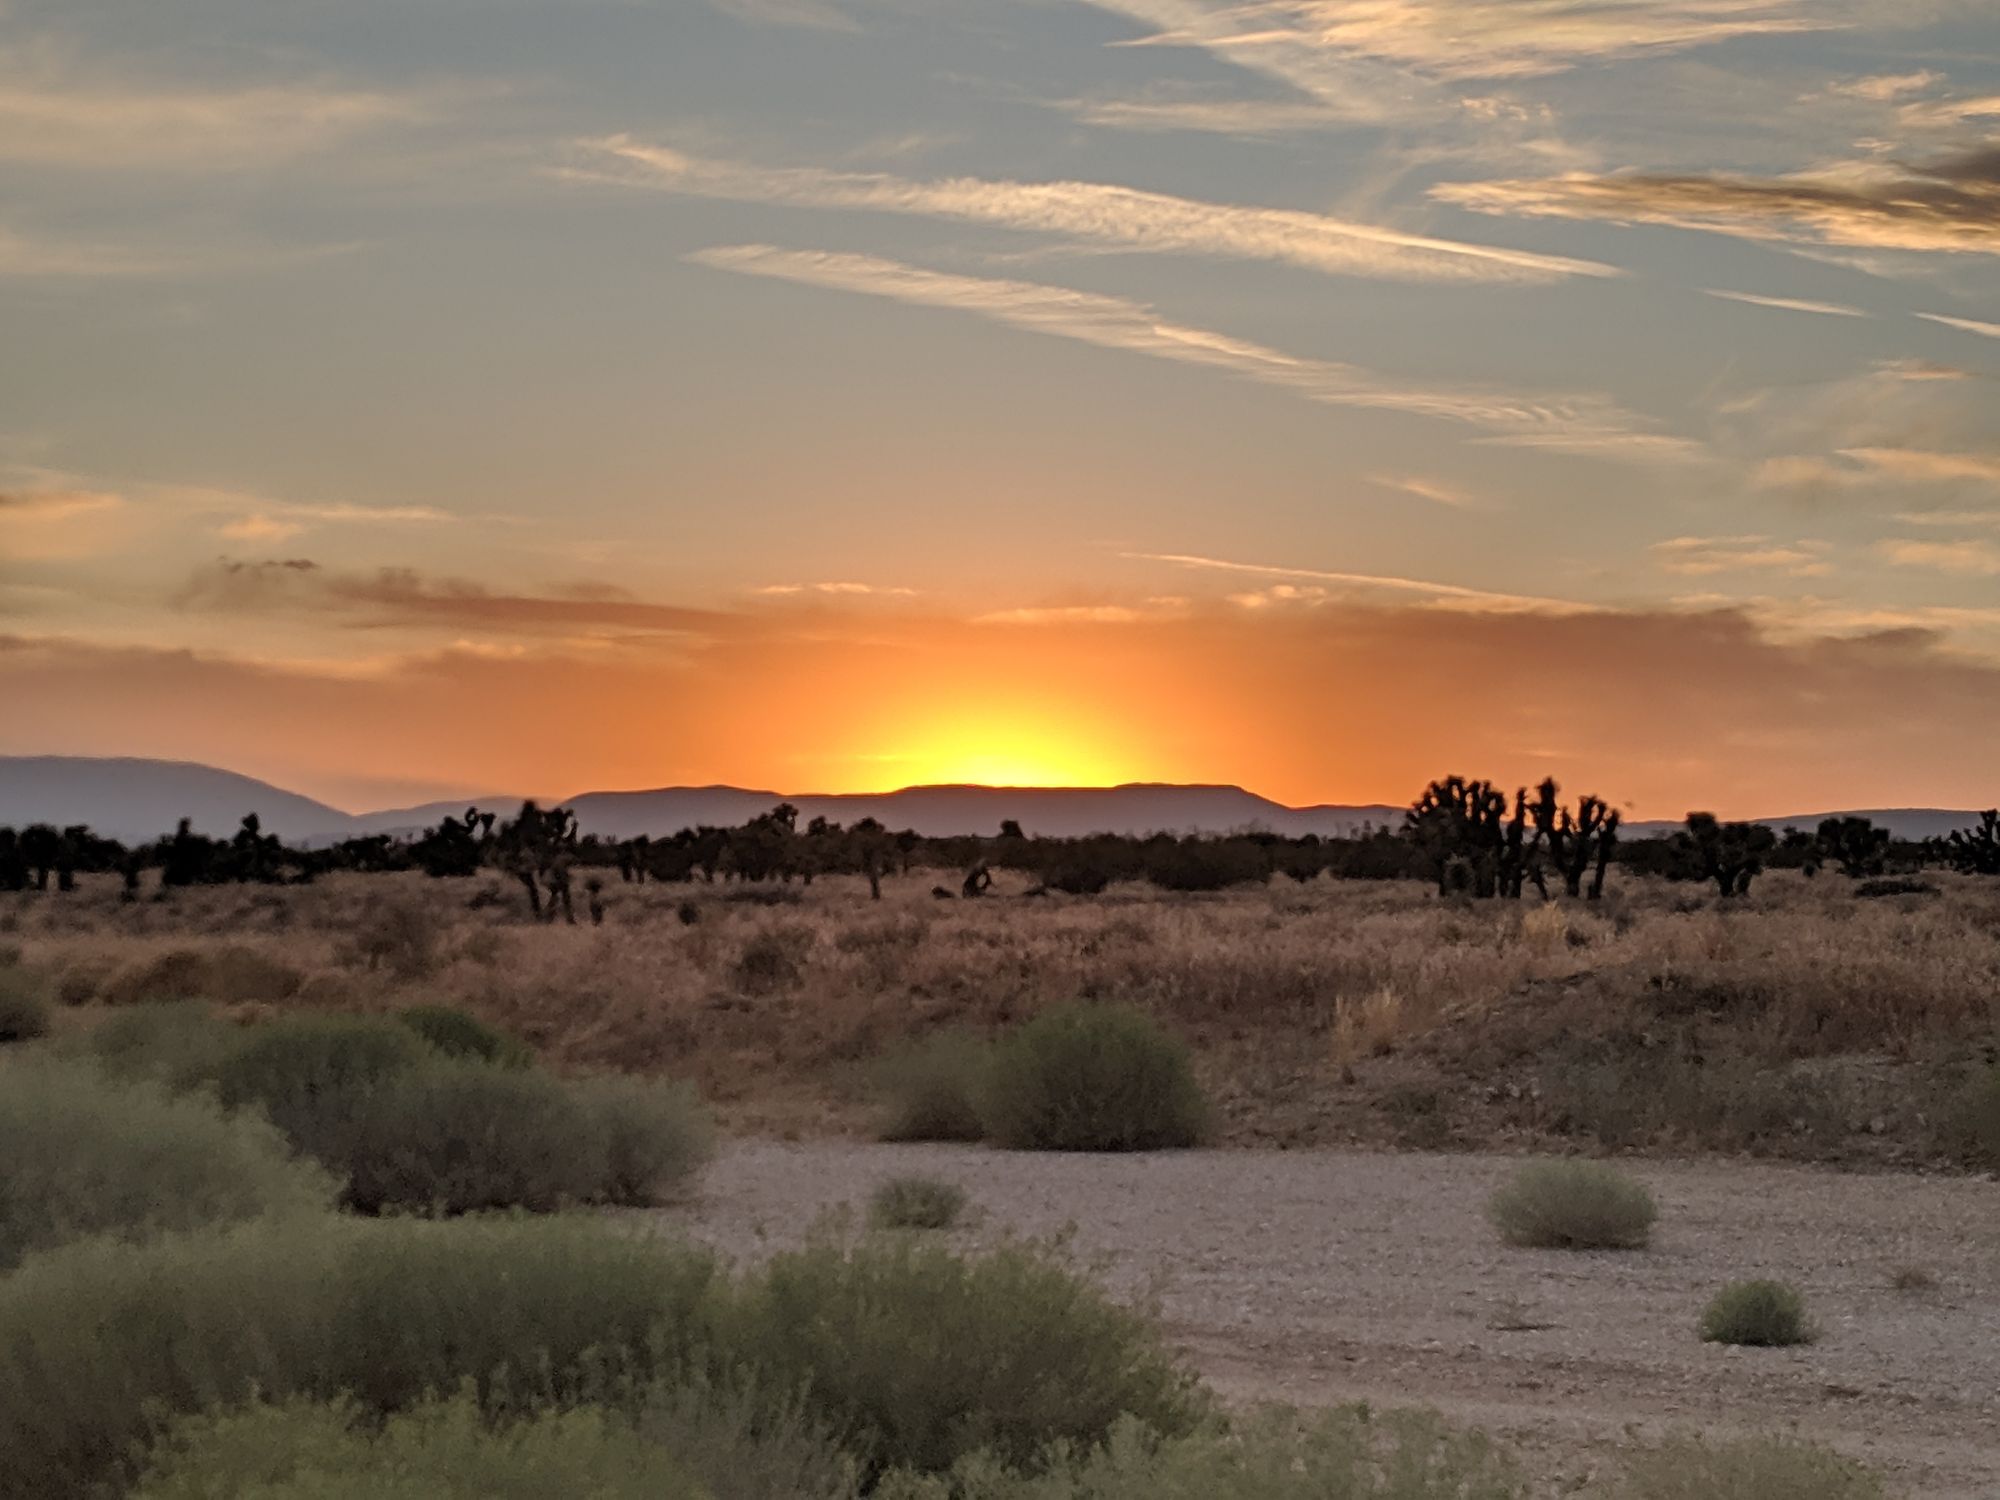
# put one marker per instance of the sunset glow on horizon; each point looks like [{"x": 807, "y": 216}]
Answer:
[{"x": 842, "y": 395}]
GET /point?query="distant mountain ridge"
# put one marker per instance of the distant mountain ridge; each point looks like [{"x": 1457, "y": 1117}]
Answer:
[{"x": 135, "y": 799}]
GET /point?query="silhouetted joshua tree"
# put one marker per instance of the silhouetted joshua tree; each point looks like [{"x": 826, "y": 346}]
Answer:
[
  {"x": 537, "y": 849},
  {"x": 1579, "y": 842},
  {"x": 1976, "y": 850},
  {"x": 1730, "y": 854},
  {"x": 1854, "y": 844}
]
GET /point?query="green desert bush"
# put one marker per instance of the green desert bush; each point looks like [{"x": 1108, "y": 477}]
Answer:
[
  {"x": 438, "y": 1451},
  {"x": 1757, "y": 1314},
  {"x": 1350, "y": 1453},
  {"x": 916, "y": 1357},
  {"x": 1573, "y": 1205},
  {"x": 932, "y": 1089},
  {"x": 314, "y": 1076},
  {"x": 24, "y": 1004},
  {"x": 452, "y": 1137},
  {"x": 656, "y": 1136},
  {"x": 457, "y": 1034},
  {"x": 916, "y": 1203},
  {"x": 102, "y": 1341},
  {"x": 1972, "y": 1119},
  {"x": 180, "y": 1044},
  {"x": 1745, "y": 1469},
  {"x": 90, "y": 1156},
  {"x": 741, "y": 1443},
  {"x": 1093, "y": 1078}
]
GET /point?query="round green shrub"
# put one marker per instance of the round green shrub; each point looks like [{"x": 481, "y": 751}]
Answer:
[
  {"x": 179, "y": 1044},
  {"x": 915, "y": 1357},
  {"x": 456, "y": 1034},
  {"x": 313, "y": 1076},
  {"x": 89, "y": 1156},
  {"x": 1757, "y": 1468},
  {"x": 454, "y": 1137},
  {"x": 655, "y": 1136},
  {"x": 100, "y": 1341},
  {"x": 24, "y": 1005},
  {"x": 1758, "y": 1315},
  {"x": 932, "y": 1090},
  {"x": 916, "y": 1203},
  {"x": 1093, "y": 1078},
  {"x": 1573, "y": 1205}
]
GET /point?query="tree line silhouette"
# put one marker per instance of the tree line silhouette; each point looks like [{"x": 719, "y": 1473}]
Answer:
[{"x": 1470, "y": 838}]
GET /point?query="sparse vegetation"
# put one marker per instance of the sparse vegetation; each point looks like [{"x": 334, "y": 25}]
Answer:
[
  {"x": 24, "y": 1005},
  {"x": 457, "y": 1034},
  {"x": 1350, "y": 1453},
  {"x": 87, "y": 1156},
  {"x": 1743, "y": 1469},
  {"x": 933, "y": 1089},
  {"x": 1573, "y": 1205},
  {"x": 916, "y": 1203},
  {"x": 1757, "y": 1315},
  {"x": 1093, "y": 1078},
  {"x": 917, "y": 1357}
]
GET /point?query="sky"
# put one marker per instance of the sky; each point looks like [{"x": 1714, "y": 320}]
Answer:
[{"x": 407, "y": 398}]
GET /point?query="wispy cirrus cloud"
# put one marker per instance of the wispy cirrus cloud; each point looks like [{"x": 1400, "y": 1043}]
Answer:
[
  {"x": 1583, "y": 424},
  {"x": 1964, "y": 325},
  {"x": 1433, "y": 490},
  {"x": 1705, "y": 556},
  {"x": 1303, "y": 41},
  {"x": 1100, "y": 212},
  {"x": 836, "y": 587},
  {"x": 1448, "y": 595},
  {"x": 1788, "y": 304},
  {"x": 1966, "y": 558},
  {"x": 815, "y": 15},
  {"x": 1950, "y": 204},
  {"x": 1924, "y": 466},
  {"x": 56, "y": 118}
]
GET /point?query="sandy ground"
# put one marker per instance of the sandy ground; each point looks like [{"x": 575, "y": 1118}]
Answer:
[{"x": 1319, "y": 1277}]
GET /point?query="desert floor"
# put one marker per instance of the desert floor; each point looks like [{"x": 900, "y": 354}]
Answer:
[{"x": 1318, "y": 1277}]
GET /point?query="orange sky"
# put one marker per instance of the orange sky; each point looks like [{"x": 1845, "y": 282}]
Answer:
[{"x": 1659, "y": 711}]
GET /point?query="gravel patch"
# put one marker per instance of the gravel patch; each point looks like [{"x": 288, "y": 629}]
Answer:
[{"x": 1316, "y": 1277}]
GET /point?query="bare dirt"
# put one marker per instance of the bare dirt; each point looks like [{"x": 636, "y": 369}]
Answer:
[{"x": 1319, "y": 1277}]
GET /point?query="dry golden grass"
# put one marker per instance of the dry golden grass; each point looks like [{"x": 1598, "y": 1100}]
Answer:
[{"x": 1306, "y": 1002}]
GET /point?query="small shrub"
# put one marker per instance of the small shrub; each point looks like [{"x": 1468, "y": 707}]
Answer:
[
  {"x": 89, "y": 1156},
  {"x": 226, "y": 975},
  {"x": 656, "y": 1136},
  {"x": 916, "y": 1203},
  {"x": 1972, "y": 1119},
  {"x": 313, "y": 1075},
  {"x": 24, "y": 1005},
  {"x": 1093, "y": 1078},
  {"x": 400, "y": 936},
  {"x": 1757, "y": 1315},
  {"x": 916, "y": 1357},
  {"x": 742, "y": 1444},
  {"x": 438, "y": 1451},
  {"x": 99, "y": 1341},
  {"x": 453, "y": 1137},
  {"x": 1893, "y": 885},
  {"x": 1351, "y": 1453},
  {"x": 178, "y": 1044},
  {"x": 1744, "y": 1469},
  {"x": 457, "y": 1034},
  {"x": 933, "y": 1089},
  {"x": 772, "y": 961},
  {"x": 1573, "y": 1205},
  {"x": 1913, "y": 1281}
]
